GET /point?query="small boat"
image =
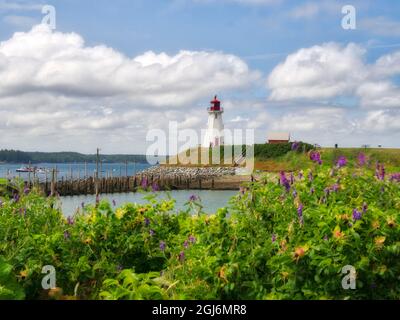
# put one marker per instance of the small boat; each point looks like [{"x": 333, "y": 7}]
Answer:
[{"x": 26, "y": 170}]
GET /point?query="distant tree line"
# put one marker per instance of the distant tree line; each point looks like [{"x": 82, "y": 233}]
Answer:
[{"x": 16, "y": 156}]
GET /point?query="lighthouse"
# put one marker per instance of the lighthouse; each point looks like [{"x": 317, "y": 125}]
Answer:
[{"x": 214, "y": 136}]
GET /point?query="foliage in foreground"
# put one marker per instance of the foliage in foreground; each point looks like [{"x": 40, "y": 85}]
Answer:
[{"x": 285, "y": 238}]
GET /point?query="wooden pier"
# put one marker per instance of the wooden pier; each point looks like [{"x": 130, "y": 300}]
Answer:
[{"x": 109, "y": 185}]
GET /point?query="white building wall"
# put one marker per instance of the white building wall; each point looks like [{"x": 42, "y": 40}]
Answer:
[{"x": 215, "y": 130}]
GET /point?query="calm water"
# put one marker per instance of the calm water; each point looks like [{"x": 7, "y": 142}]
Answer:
[
  {"x": 66, "y": 170},
  {"x": 211, "y": 200}
]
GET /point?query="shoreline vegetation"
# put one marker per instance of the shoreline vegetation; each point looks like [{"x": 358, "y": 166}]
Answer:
[
  {"x": 22, "y": 157},
  {"x": 268, "y": 160},
  {"x": 286, "y": 237}
]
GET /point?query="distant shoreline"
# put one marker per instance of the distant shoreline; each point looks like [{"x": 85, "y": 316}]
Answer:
[{"x": 24, "y": 158}]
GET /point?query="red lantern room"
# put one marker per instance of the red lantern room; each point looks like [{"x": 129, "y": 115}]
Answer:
[{"x": 215, "y": 105}]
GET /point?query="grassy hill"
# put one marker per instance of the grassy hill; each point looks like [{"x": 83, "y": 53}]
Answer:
[{"x": 298, "y": 161}]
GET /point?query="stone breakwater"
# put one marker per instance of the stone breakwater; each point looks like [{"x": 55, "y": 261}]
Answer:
[{"x": 187, "y": 172}]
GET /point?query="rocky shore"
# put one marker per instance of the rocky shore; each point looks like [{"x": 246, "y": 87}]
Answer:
[{"x": 187, "y": 172}]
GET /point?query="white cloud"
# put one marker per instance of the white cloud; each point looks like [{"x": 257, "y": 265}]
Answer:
[
  {"x": 53, "y": 86},
  {"x": 381, "y": 121},
  {"x": 41, "y": 60},
  {"x": 324, "y": 119},
  {"x": 239, "y": 119},
  {"x": 382, "y": 94},
  {"x": 319, "y": 72},
  {"x": 387, "y": 65}
]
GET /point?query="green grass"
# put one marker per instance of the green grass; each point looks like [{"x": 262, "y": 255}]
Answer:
[{"x": 293, "y": 161}]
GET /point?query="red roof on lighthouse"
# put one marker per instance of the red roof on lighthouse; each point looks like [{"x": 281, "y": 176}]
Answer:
[
  {"x": 215, "y": 100},
  {"x": 215, "y": 105}
]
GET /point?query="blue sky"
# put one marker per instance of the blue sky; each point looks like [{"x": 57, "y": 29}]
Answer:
[{"x": 260, "y": 34}]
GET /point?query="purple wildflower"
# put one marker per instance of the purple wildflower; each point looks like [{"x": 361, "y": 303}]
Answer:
[
  {"x": 312, "y": 191},
  {"x": 145, "y": 183},
  {"x": 193, "y": 198},
  {"x": 310, "y": 176},
  {"x": 67, "y": 235},
  {"x": 300, "y": 214},
  {"x": 26, "y": 190},
  {"x": 16, "y": 197},
  {"x": 294, "y": 193},
  {"x": 326, "y": 238},
  {"x": 192, "y": 239},
  {"x": 284, "y": 181},
  {"x": 147, "y": 222},
  {"x": 362, "y": 159},
  {"x": 316, "y": 157},
  {"x": 335, "y": 187},
  {"x": 342, "y": 161},
  {"x": 365, "y": 208},
  {"x": 70, "y": 221},
  {"x": 300, "y": 175},
  {"x": 114, "y": 203},
  {"x": 295, "y": 146},
  {"x": 182, "y": 256},
  {"x": 273, "y": 237},
  {"x": 395, "y": 177},
  {"x": 357, "y": 215},
  {"x": 83, "y": 205},
  {"x": 155, "y": 187},
  {"x": 162, "y": 246},
  {"x": 152, "y": 232},
  {"x": 186, "y": 244},
  {"x": 291, "y": 178}
]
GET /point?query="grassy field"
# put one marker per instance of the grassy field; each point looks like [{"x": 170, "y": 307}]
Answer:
[{"x": 294, "y": 161}]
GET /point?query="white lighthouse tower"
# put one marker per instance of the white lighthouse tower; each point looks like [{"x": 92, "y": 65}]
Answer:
[{"x": 215, "y": 131}]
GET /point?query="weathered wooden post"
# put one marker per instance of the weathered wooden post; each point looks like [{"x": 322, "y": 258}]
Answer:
[
  {"x": 53, "y": 183},
  {"x": 96, "y": 183}
]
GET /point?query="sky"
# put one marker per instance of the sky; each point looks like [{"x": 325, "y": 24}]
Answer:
[{"x": 111, "y": 71}]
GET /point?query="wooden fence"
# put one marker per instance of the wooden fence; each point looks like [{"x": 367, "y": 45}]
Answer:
[{"x": 93, "y": 186}]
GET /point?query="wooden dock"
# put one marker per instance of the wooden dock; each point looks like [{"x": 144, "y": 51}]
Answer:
[{"x": 109, "y": 185}]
